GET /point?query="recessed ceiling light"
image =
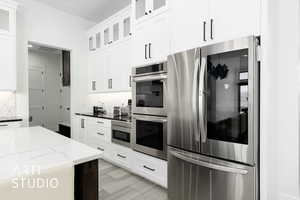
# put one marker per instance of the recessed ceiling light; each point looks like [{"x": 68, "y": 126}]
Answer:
[{"x": 30, "y": 45}]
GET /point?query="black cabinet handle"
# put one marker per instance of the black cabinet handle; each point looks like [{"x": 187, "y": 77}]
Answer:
[
  {"x": 150, "y": 50},
  {"x": 150, "y": 11},
  {"x": 121, "y": 156},
  {"x": 149, "y": 168},
  {"x": 204, "y": 31},
  {"x": 102, "y": 134},
  {"x": 146, "y": 46},
  {"x": 146, "y": 13},
  {"x": 211, "y": 29},
  {"x": 100, "y": 122},
  {"x": 99, "y": 148},
  {"x": 3, "y": 125},
  {"x": 82, "y": 123},
  {"x": 109, "y": 83},
  {"x": 129, "y": 81}
]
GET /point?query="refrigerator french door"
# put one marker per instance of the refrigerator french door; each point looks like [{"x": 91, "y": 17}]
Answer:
[{"x": 213, "y": 97}]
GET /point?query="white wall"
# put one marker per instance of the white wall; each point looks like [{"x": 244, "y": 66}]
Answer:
[
  {"x": 7, "y": 104},
  {"x": 42, "y": 24},
  {"x": 279, "y": 100}
]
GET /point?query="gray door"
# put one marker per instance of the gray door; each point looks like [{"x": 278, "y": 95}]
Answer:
[
  {"x": 196, "y": 177},
  {"x": 183, "y": 78}
]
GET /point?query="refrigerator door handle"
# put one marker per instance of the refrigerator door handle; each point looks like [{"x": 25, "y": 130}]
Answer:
[
  {"x": 195, "y": 98},
  {"x": 208, "y": 165},
  {"x": 202, "y": 100}
]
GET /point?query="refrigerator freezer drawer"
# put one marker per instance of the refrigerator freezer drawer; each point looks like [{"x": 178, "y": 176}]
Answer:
[{"x": 196, "y": 177}]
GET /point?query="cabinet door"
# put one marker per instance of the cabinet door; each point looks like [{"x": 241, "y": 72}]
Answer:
[
  {"x": 140, "y": 8},
  {"x": 159, "y": 43},
  {"x": 187, "y": 24},
  {"x": 141, "y": 45},
  {"x": 92, "y": 67},
  {"x": 116, "y": 32},
  {"x": 127, "y": 27},
  {"x": 107, "y": 36},
  {"x": 234, "y": 19},
  {"x": 4, "y": 20},
  {"x": 7, "y": 63}
]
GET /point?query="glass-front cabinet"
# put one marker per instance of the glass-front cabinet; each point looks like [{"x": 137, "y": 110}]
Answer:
[
  {"x": 148, "y": 7},
  {"x": 4, "y": 20}
]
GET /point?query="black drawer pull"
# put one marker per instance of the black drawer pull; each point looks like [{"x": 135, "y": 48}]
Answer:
[
  {"x": 99, "y": 148},
  {"x": 3, "y": 125},
  {"x": 100, "y": 122},
  {"x": 149, "y": 168},
  {"x": 100, "y": 134},
  {"x": 121, "y": 156}
]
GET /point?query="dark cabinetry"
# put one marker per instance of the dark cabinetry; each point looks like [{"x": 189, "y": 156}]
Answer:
[{"x": 66, "y": 76}]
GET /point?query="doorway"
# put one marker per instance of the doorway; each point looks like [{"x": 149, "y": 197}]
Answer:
[{"x": 49, "y": 88}]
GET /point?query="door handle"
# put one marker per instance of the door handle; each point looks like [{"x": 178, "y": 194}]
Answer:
[
  {"x": 121, "y": 156},
  {"x": 150, "y": 50},
  {"x": 211, "y": 29},
  {"x": 195, "y": 96},
  {"x": 146, "y": 46},
  {"x": 213, "y": 166},
  {"x": 148, "y": 168},
  {"x": 204, "y": 31},
  {"x": 202, "y": 101}
]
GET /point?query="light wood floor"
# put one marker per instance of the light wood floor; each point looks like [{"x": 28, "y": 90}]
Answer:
[{"x": 119, "y": 184}]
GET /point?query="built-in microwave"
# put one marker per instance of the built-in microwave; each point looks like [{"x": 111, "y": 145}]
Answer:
[
  {"x": 121, "y": 133},
  {"x": 149, "y": 89}
]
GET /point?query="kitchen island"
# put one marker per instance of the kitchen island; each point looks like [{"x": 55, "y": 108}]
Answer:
[{"x": 37, "y": 146}]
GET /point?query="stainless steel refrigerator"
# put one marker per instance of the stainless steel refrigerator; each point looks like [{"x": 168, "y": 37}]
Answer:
[{"x": 213, "y": 122}]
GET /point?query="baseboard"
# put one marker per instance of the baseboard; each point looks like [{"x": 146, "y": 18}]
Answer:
[{"x": 287, "y": 197}]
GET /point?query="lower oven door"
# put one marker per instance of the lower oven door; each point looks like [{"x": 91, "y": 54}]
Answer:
[
  {"x": 149, "y": 135},
  {"x": 196, "y": 177}
]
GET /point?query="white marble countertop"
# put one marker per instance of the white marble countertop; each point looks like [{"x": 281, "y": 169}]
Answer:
[{"x": 37, "y": 146}]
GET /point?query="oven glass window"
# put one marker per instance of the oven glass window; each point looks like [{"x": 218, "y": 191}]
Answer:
[
  {"x": 150, "y": 134},
  {"x": 149, "y": 94},
  {"x": 227, "y": 97},
  {"x": 119, "y": 135}
]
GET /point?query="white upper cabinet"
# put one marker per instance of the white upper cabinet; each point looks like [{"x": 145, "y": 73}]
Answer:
[
  {"x": 116, "y": 32},
  {"x": 232, "y": 19},
  {"x": 127, "y": 27},
  {"x": 202, "y": 22},
  {"x": 151, "y": 41},
  {"x": 187, "y": 21},
  {"x": 8, "y": 75},
  {"x": 147, "y": 8}
]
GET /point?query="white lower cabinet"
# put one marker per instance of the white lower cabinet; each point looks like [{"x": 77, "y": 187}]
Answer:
[
  {"x": 4, "y": 125},
  {"x": 96, "y": 133},
  {"x": 150, "y": 168}
]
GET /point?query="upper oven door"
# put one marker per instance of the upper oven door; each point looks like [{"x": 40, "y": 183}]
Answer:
[
  {"x": 149, "y": 135},
  {"x": 149, "y": 94},
  {"x": 228, "y": 100}
]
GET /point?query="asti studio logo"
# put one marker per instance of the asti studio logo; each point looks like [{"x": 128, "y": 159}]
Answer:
[{"x": 29, "y": 177}]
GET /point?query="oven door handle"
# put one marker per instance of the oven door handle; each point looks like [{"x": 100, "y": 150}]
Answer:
[
  {"x": 213, "y": 166},
  {"x": 202, "y": 101},
  {"x": 150, "y": 78},
  {"x": 150, "y": 119}
]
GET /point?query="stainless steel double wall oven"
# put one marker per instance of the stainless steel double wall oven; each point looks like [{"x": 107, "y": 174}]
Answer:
[
  {"x": 213, "y": 122},
  {"x": 149, "y": 108}
]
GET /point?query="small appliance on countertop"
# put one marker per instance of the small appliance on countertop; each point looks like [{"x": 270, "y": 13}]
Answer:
[{"x": 99, "y": 110}]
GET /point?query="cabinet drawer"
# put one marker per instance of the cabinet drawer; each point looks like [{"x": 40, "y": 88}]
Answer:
[
  {"x": 99, "y": 134},
  {"x": 99, "y": 123},
  {"x": 151, "y": 168},
  {"x": 101, "y": 146},
  {"x": 10, "y": 125},
  {"x": 121, "y": 155}
]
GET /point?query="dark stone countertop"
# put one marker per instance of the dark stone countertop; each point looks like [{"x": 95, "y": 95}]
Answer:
[
  {"x": 110, "y": 117},
  {"x": 10, "y": 119}
]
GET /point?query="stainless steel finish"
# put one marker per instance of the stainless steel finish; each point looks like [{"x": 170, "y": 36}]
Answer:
[
  {"x": 183, "y": 78},
  {"x": 195, "y": 177},
  {"x": 110, "y": 83},
  {"x": 202, "y": 101},
  {"x": 123, "y": 127},
  {"x": 153, "y": 76},
  {"x": 164, "y": 69},
  {"x": 191, "y": 159},
  {"x": 211, "y": 29},
  {"x": 146, "y": 51},
  {"x": 204, "y": 31},
  {"x": 144, "y": 149},
  {"x": 228, "y": 150},
  {"x": 82, "y": 123},
  {"x": 93, "y": 85},
  {"x": 150, "y": 45}
]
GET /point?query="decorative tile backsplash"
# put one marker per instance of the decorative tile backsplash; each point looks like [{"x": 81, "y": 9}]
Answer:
[{"x": 7, "y": 104}]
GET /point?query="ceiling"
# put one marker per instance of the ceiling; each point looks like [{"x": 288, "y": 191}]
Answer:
[{"x": 92, "y": 10}]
